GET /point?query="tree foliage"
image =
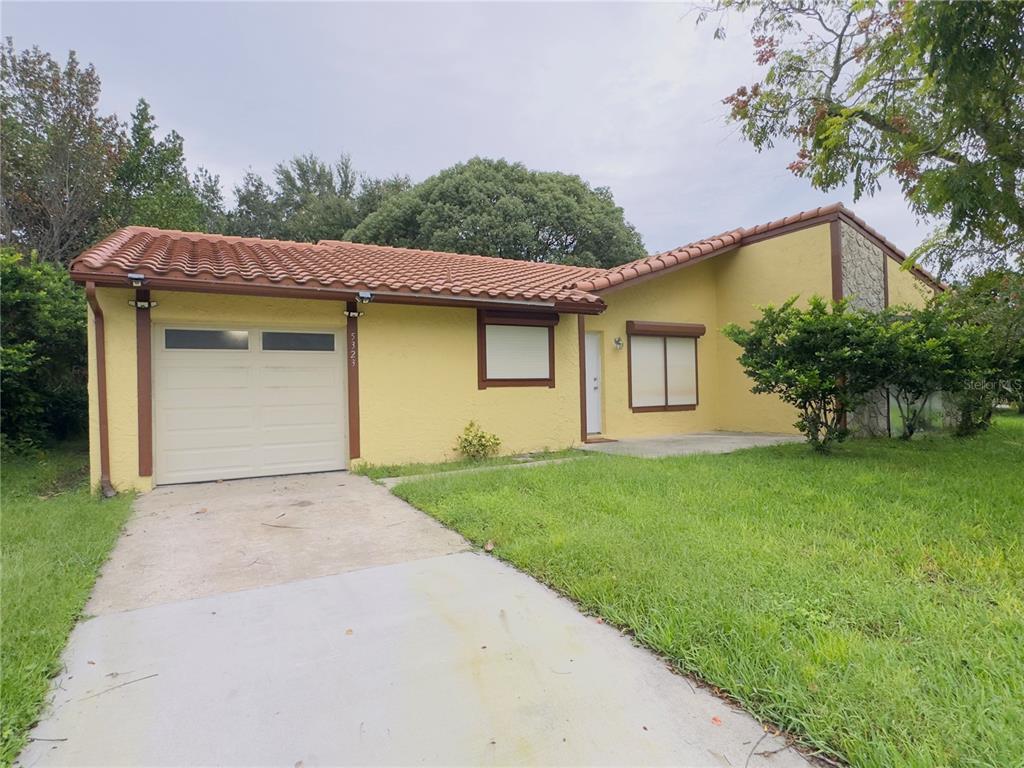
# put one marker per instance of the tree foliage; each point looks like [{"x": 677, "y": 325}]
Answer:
[
  {"x": 59, "y": 154},
  {"x": 151, "y": 186},
  {"x": 309, "y": 200},
  {"x": 929, "y": 93},
  {"x": 42, "y": 350},
  {"x": 497, "y": 208},
  {"x": 994, "y": 303}
]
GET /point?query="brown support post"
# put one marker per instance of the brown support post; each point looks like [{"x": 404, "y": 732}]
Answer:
[
  {"x": 143, "y": 343},
  {"x": 101, "y": 389},
  {"x": 582, "y": 334},
  {"x": 836, "y": 244},
  {"x": 352, "y": 365}
]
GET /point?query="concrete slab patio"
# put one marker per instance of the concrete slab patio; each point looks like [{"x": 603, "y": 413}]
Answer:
[
  {"x": 434, "y": 655},
  {"x": 685, "y": 445}
]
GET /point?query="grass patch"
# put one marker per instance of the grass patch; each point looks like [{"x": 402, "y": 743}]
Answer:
[
  {"x": 55, "y": 538},
  {"x": 379, "y": 471},
  {"x": 871, "y": 602}
]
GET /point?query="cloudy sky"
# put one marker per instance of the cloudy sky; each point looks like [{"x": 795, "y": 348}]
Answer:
[{"x": 626, "y": 96}]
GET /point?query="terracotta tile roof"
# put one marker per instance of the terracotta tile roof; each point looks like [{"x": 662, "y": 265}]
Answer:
[
  {"x": 727, "y": 241},
  {"x": 194, "y": 261},
  {"x": 163, "y": 256}
]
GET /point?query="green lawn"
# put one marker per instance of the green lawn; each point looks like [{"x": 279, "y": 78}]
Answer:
[
  {"x": 871, "y": 602},
  {"x": 379, "y": 471},
  {"x": 55, "y": 536}
]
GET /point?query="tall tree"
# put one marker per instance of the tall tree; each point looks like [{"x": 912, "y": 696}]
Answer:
[
  {"x": 315, "y": 199},
  {"x": 151, "y": 186},
  {"x": 309, "y": 200},
  {"x": 498, "y": 208},
  {"x": 930, "y": 93},
  {"x": 59, "y": 153}
]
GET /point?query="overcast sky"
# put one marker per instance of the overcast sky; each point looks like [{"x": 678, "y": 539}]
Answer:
[{"x": 626, "y": 96}]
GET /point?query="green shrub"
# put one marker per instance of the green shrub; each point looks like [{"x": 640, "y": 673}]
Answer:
[
  {"x": 824, "y": 360},
  {"x": 475, "y": 444},
  {"x": 42, "y": 351},
  {"x": 927, "y": 351},
  {"x": 990, "y": 307}
]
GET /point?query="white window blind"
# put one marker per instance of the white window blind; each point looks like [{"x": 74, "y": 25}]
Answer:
[
  {"x": 648, "y": 365},
  {"x": 663, "y": 371},
  {"x": 517, "y": 352},
  {"x": 681, "y": 358}
]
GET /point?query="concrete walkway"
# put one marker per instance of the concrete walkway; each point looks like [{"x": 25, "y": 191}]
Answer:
[
  {"x": 685, "y": 445},
  {"x": 436, "y": 655}
]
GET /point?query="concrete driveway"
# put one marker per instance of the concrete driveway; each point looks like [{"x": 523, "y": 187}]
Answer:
[{"x": 318, "y": 620}]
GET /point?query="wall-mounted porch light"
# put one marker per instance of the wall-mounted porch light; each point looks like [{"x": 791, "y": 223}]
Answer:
[{"x": 618, "y": 342}]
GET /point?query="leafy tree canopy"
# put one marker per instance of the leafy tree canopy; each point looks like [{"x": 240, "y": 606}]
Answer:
[
  {"x": 151, "y": 186},
  {"x": 930, "y": 93},
  {"x": 309, "y": 200},
  {"x": 59, "y": 154},
  {"x": 497, "y": 208}
]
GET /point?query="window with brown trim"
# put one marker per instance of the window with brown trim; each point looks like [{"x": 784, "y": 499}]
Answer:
[
  {"x": 663, "y": 366},
  {"x": 515, "y": 349}
]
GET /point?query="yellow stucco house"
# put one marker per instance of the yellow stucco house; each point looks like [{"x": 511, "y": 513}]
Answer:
[{"x": 215, "y": 357}]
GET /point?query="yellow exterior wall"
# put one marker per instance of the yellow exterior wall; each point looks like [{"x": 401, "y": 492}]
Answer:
[
  {"x": 418, "y": 387},
  {"x": 724, "y": 289},
  {"x": 418, "y": 364},
  {"x": 769, "y": 272},
  {"x": 904, "y": 287},
  {"x": 122, "y": 392},
  {"x": 686, "y": 295},
  {"x": 417, "y": 376}
]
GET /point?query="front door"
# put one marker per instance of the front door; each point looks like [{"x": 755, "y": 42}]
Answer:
[{"x": 593, "y": 380}]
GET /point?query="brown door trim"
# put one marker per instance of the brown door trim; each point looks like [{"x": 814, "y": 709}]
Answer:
[
  {"x": 144, "y": 367},
  {"x": 101, "y": 388},
  {"x": 352, "y": 366},
  {"x": 582, "y": 341}
]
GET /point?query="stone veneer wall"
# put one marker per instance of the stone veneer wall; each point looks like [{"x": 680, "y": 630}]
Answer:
[
  {"x": 863, "y": 270},
  {"x": 864, "y": 285}
]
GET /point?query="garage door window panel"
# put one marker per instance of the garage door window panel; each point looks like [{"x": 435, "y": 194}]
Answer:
[
  {"x": 663, "y": 366},
  {"x": 288, "y": 341},
  {"x": 200, "y": 339},
  {"x": 516, "y": 349}
]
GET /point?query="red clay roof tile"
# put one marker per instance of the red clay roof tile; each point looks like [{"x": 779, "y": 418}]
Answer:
[
  {"x": 334, "y": 265},
  {"x": 329, "y": 264}
]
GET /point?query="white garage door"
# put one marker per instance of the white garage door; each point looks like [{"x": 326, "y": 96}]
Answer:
[{"x": 234, "y": 403}]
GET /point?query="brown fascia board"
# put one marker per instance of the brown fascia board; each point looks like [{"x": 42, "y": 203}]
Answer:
[{"x": 160, "y": 283}]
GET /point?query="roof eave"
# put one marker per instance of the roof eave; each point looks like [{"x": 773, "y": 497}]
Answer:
[{"x": 191, "y": 285}]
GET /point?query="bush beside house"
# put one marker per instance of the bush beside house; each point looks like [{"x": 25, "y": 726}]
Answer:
[
  {"x": 827, "y": 360},
  {"x": 43, "y": 369}
]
